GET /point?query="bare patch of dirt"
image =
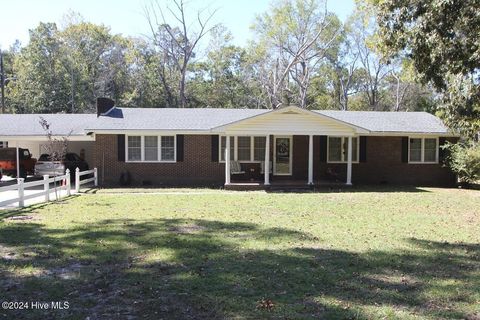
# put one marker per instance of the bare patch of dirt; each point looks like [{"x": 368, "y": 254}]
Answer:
[
  {"x": 187, "y": 229},
  {"x": 68, "y": 272}
]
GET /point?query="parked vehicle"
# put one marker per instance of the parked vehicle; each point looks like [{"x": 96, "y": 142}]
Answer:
[
  {"x": 71, "y": 161},
  {"x": 8, "y": 162}
]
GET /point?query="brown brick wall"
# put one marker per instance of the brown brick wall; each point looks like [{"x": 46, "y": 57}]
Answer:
[
  {"x": 383, "y": 165},
  {"x": 196, "y": 169}
]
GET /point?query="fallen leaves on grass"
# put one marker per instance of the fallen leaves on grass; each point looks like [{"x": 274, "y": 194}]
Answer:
[{"x": 266, "y": 304}]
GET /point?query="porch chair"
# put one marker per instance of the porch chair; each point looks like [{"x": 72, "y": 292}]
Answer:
[
  {"x": 262, "y": 167},
  {"x": 236, "y": 168},
  {"x": 332, "y": 174}
]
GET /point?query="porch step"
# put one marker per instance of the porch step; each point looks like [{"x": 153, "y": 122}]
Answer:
[
  {"x": 244, "y": 186},
  {"x": 290, "y": 188}
]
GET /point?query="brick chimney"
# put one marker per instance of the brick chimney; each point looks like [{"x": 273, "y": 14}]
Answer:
[{"x": 104, "y": 105}]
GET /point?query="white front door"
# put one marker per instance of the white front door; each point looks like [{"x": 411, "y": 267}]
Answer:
[{"x": 282, "y": 164}]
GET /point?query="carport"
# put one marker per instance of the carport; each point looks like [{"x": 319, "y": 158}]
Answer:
[{"x": 25, "y": 131}]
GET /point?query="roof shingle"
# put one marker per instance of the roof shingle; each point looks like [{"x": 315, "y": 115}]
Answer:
[
  {"x": 377, "y": 121},
  {"x": 203, "y": 119}
]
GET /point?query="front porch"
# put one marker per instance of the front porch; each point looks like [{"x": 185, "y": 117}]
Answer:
[
  {"x": 288, "y": 146},
  {"x": 296, "y": 161}
]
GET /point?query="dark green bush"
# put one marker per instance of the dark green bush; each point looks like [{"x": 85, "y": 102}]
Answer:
[{"x": 464, "y": 160}]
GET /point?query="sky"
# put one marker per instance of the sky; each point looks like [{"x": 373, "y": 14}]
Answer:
[{"x": 127, "y": 17}]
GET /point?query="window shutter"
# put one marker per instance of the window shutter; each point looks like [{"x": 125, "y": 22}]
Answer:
[
  {"x": 215, "y": 151},
  {"x": 442, "y": 153},
  {"x": 363, "y": 149},
  {"x": 405, "y": 149},
  {"x": 121, "y": 147},
  {"x": 323, "y": 148},
  {"x": 180, "y": 147}
]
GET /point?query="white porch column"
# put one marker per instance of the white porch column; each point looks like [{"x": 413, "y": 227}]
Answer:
[
  {"x": 227, "y": 160},
  {"x": 349, "y": 162},
  {"x": 310, "y": 159},
  {"x": 266, "y": 167},
  {"x": 18, "y": 159}
]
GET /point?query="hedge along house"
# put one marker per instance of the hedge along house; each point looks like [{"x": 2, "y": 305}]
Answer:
[{"x": 235, "y": 147}]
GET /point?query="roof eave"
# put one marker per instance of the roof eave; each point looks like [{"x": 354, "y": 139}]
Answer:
[{"x": 414, "y": 133}]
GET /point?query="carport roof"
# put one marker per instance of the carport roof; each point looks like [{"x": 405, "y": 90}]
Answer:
[{"x": 29, "y": 124}]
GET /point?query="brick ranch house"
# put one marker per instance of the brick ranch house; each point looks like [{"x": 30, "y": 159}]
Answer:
[{"x": 188, "y": 147}]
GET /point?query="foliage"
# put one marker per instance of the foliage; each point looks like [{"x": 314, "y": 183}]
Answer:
[
  {"x": 441, "y": 39},
  {"x": 464, "y": 160},
  {"x": 66, "y": 70},
  {"x": 56, "y": 148},
  {"x": 460, "y": 107},
  {"x": 301, "y": 54},
  {"x": 295, "y": 36},
  {"x": 221, "y": 80},
  {"x": 176, "y": 46},
  {"x": 39, "y": 71},
  {"x": 440, "y": 36}
]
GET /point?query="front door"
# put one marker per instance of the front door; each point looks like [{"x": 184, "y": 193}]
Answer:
[{"x": 282, "y": 165}]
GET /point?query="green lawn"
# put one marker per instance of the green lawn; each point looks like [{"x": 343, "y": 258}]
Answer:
[{"x": 205, "y": 254}]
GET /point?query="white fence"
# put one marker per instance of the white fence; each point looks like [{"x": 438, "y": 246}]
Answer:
[
  {"x": 79, "y": 182},
  {"x": 64, "y": 184}
]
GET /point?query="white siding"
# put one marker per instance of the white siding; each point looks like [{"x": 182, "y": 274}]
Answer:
[{"x": 289, "y": 123}]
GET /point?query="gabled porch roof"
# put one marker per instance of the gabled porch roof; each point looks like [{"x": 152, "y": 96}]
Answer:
[{"x": 290, "y": 120}]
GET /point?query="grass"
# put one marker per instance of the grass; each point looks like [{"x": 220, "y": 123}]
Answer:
[{"x": 203, "y": 254}]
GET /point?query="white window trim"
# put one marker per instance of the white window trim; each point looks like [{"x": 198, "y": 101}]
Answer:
[
  {"x": 344, "y": 159},
  {"x": 422, "y": 155},
  {"x": 234, "y": 156},
  {"x": 159, "y": 149}
]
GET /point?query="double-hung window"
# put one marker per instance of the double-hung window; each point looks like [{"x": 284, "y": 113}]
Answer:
[
  {"x": 338, "y": 149},
  {"x": 423, "y": 150},
  {"x": 134, "y": 148},
  {"x": 151, "y": 148},
  {"x": 259, "y": 144},
  {"x": 168, "y": 148},
  {"x": 244, "y": 148}
]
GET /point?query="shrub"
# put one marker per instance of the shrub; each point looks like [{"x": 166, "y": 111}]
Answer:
[{"x": 464, "y": 160}]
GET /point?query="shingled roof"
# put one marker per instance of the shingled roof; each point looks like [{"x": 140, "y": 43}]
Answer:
[
  {"x": 204, "y": 119},
  {"x": 384, "y": 122},
  {"x": 194, "y": 119},
  {"x": 60, "y": 124}
]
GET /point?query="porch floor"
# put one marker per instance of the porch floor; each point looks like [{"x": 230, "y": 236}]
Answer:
[{"x": 283, "y": 185}]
